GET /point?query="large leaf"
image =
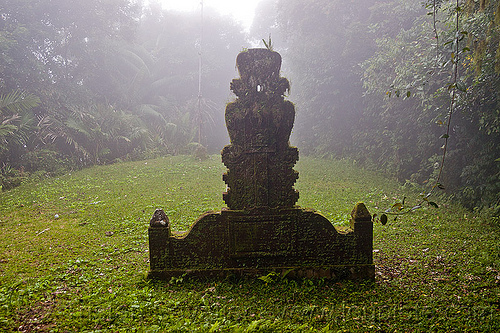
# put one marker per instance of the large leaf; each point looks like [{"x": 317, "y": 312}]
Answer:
[
  {"x": 77, "y": 126},
  {"x": 18, "y": 101}
]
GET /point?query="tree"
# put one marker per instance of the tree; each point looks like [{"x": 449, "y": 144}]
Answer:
[
  {"x": 57, "y": 40},
  {"x": 422, "y": 76},
  {"x": 170, "y": 47},
  {"x": 49, "y": 49},
  {"x": 15, "y": 119},
  {"x": 374, "y": 81},
  {"x": 326, "y": 40}
]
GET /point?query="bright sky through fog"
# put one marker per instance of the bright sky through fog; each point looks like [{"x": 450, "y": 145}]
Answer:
[{"x": 242, "y": 10}]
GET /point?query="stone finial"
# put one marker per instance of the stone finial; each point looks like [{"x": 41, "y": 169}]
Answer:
[
  {"x": 259, "y": 71},
  {"x": 361, "y": 213},
  {"x": 159, "y": 219}
]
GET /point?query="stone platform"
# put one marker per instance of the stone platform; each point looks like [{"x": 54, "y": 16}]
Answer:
[{"x": 298, "y": 242}]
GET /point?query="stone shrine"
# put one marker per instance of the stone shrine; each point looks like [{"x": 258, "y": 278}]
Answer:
[{"x": 262, "y": 229}]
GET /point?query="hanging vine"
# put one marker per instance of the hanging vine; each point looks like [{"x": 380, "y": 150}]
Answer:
[{"x": 399, "y": 208}]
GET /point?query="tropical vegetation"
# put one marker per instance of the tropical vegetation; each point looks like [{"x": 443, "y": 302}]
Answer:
[
  {"x": 109, "y": 107},
  {"x": 396, "y": 85},
  {"x": 400, "y": 86}
]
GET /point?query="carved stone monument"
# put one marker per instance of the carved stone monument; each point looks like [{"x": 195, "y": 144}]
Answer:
[{"x": 262, "y": 230}]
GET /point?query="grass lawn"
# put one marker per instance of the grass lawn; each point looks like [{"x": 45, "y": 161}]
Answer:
[{"x": 74, "y": 255}]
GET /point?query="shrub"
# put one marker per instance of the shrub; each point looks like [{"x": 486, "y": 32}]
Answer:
[
  {"x": 10, "y": 177},
  {"x": 46, "y": 160}
]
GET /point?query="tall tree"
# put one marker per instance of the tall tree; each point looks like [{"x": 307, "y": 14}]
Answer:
[
  {"x": 170, "y": 49},
  {"x": 417, "y": 65},
  {"x": 49, "y": 41},
  {"x": 50, "y": 47},
  {"x": 326, "y": 41}
]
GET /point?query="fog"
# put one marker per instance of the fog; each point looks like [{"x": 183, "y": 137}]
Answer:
[
  {"x": 378, "y": 82},
  {"x": 242, "y": 11}
]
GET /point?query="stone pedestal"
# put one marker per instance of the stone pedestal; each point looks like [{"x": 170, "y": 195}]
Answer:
[{"x": 297, "y": 241}]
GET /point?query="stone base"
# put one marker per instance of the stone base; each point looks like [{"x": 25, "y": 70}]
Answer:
[
  {"x": 356, "y": 272},
  {"x": 298, "y": 241}
]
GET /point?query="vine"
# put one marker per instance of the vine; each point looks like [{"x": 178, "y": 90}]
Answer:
[{"x": 398, "y": 208}]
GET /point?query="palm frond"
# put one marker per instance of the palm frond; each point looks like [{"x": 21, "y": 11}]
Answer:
[
  {"x": 73, "y": 124},
  {"x": 10, "y": 119},
  {"x": 18, "y": 101},
  {"x": 6, "y": 130}
]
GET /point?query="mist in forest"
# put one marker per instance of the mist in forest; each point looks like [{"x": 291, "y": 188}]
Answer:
[{"x": 389, "y": 84}]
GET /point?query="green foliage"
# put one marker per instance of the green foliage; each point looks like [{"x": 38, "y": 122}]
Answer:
[
  {"x": 16, "y": 124},
  {"x": 268, "y": 44},
  {"x": 269, "y": 278},
  {"x": 389, "y": 113},
  {"x": 18, "y": 102},
  {"x": 47, "y": 161},
  {"x": 324, "y": 69},
  {"x": 114, "y": 80},
  {"x": 9, "y": 177},
  {"x": 421, "y": 67}
]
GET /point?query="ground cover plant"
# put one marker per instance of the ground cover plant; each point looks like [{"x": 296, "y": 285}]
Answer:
[{"x": 74, "y": 258}]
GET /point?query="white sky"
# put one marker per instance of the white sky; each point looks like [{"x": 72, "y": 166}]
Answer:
[{"x": 242, "y": 10}]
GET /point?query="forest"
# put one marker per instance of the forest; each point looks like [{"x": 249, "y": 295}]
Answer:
[
  {"x": 390, "y": 84},
  {"x": 113, "y": 111}
]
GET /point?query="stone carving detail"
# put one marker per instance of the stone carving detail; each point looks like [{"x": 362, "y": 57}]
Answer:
[{"x": 259, "y": 158}]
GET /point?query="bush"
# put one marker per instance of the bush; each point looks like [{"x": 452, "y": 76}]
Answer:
[
  {"x": 10, "y": 177},
  {"x": 45, "y": 160},
  {"x": 198, "y": 151},
  {"x": 39, "y": 163}
]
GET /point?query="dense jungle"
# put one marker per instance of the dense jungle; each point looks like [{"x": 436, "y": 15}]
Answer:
[
  {"x": 389, "y": 84},
  {"x": 110, "y": 109}
]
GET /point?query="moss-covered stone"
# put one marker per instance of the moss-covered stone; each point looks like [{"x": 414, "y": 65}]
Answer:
[
  {"x": 241, "y": 241},
  {"x": 259, "y": 158},
  {"x": 262, "y": 229},
  {"x": 360, "y": 212}
]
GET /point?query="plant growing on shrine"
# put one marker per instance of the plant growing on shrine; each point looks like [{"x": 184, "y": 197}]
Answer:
[{"x": 268, "y": 44}]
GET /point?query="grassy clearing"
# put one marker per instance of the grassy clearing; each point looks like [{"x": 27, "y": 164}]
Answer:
[{"x": 74, "y": 256}]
